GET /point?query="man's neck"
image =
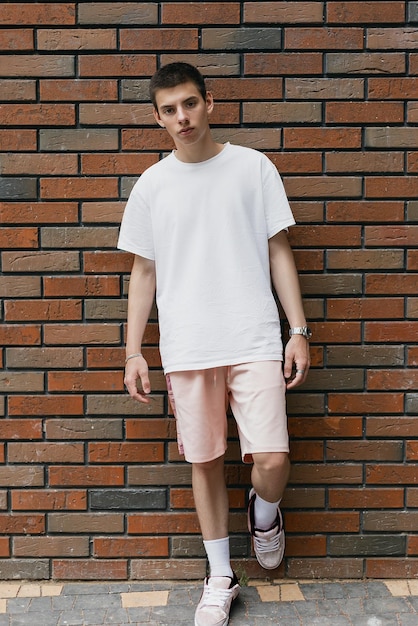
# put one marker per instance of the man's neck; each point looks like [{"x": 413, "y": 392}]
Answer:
[{"x": 201, "y": 151}]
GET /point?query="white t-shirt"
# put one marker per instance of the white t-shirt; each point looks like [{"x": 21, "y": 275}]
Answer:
[{"x": 207, "y": 226}]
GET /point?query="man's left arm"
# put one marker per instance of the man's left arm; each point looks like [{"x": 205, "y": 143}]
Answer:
[{"x": 285, "y": 280}]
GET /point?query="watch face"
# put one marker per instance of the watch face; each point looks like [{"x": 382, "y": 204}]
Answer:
[{"x": 308, "y": 333}]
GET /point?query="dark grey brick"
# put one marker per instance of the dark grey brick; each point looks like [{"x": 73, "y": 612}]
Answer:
[
  {"x": 20, "y": 569},
  {"x": 135, "y": 90},
  {"x": 128, "y": 499},
  {"x": 18, "y": 188},
  {"x": 367, "y": 545},
  {"x": 413, "y": 11},
  {"x": 242, "y": 38}
]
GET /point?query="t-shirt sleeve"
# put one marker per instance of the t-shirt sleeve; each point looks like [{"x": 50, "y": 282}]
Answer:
[
  {"x": 277, "y": 210},
  {"x": 135, "y": 233}
]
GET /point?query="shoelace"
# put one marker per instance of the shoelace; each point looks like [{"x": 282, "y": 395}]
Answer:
[
  {"x": 264, "y": 544},
  {"x": 213, "y": 596}
]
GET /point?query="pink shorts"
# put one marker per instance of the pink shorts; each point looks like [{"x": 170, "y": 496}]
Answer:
[{"x": 256, "y": 393}]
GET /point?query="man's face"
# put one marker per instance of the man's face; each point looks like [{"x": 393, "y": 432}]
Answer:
[{"x": 184, "y": 113}]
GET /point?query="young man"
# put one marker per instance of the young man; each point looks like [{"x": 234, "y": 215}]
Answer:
[{"x": 207, "y": 226}]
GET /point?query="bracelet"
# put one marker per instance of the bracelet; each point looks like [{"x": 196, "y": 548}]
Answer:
[{"x": 132, "y": 356}]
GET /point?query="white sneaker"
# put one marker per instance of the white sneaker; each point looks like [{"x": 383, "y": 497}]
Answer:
[
  {"x": 215, "y": 603},
  {"x": 268, "y": 544}
]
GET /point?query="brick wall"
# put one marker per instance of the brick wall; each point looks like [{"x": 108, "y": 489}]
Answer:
[{"x": 91, "y": 485}]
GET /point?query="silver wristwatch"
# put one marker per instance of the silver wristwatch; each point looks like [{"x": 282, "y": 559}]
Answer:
[{"x": 301, "y": 330}]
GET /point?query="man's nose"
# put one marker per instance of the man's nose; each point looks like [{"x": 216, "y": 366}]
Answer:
[{"x": 181, "y": 114}]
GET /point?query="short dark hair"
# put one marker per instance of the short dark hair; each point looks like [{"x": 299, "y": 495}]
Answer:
[{"x": 175, "y": 74}]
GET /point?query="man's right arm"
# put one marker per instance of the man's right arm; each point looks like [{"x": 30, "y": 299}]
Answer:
[{"x": 140, "y": 300}]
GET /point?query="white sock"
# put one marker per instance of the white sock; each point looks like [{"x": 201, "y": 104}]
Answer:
[
  {"x": 265, "y": 513},
  {"x": 219, "y": 557}
]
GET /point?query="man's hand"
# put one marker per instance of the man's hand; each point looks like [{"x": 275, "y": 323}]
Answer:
[
  {"x": 296, "y": 356},
  {"x": 137, "y": 369}
]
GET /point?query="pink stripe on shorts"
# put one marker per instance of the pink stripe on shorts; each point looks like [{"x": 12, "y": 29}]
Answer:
[{"x": 256, "y": 393}]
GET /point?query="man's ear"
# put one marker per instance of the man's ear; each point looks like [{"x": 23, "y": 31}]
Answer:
[
  {"x": 157, "y": 117},
  {"x": 209, "y": 102}
]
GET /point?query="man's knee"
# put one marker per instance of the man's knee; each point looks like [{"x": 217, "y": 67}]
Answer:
[{"x": 271, "y": 462}]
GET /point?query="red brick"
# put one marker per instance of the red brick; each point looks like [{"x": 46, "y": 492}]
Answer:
[
  {"x": 49, "y": 500},
  {"x": 365, "y": 259},
  {"x": 325, "y": 427},
  {"x": 304, "y": 546},
  {"x": 391, "y": 284},
  {"x": 45, "y": 452},
  {"x": 22, "y": 141},
  {"x": 78, "y": 90},
  {"x": 144, "y": 138},
  {"x": 85, "y": 381},
  {"x": 364, "y": 162},
  {"x": 353, "y": 403},
  {"x": 283, "y": 12},
  {"x": 322, "y": 522},
  {"x": 392, "y": 568},
  {"x": 366, "y": 498},
  {"x": 393, "y": 88},
  {"x": 361, "y": 211},
  {"x": 413, "y": 356},
  {"x": 297, "y": 163},
  {"x": 16, "y": 39},
  {"x": 39, "y": 212},
  {"x": 364, "y": 112},
  {"x": 391, "y": 187},
  {"x": 76, "y": 334},
  {"x": 55, "y": 164},
  {"x": 245, "y": 88},
  {"x": 392, "y": 38},
  {"x": 130, "y": 547},
  {"x": 326, "y": 568},
  {"x": 117, "y": 65},
  {"x": 81, "y": 286},
  {"x": 73, "y": 476},
  {"x": 4, "y": 547},
  {"x": 152, "y": 452},
  {"x": 76, "y": 39},
  {"x": 160, "y": 39},
  {"x": 46, "y": 405},
  {"x": 37, "y": 114},
  {"x": 365, "y": 308},
  {"x": 21, "y": 524},
  {"x": 306, "y": 451},
  {"x": 117, "y": 164},
  {"x": 320, "y": 38},
  {"x": 88, "y": 569},
  {"x": 18, "y": 237},
  {"x": 42, "y": 310},
  {"x": 283, "y": 64},
  {"x": 102, "y": 212},
  {"x": 50, "y": 546},
  {"x": 13, "y": 429},
  {"x": 390, "y": 474},
  {"x": 401, "y": 332},
  {"x": 162, "y": 523},
  {"x": 365, "y": 12},
  {"x": 188, "y": 13},
  {"x": 332, "y": 138},
  {"x": 103, "y": 262},
  {"x": 392, "y": 379},
  {"x": 47, "y": 13},
  {"x": 19, "y": 335},
  {"x": 153, "y": 428},
  {"x": 65, "y": 188}
]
